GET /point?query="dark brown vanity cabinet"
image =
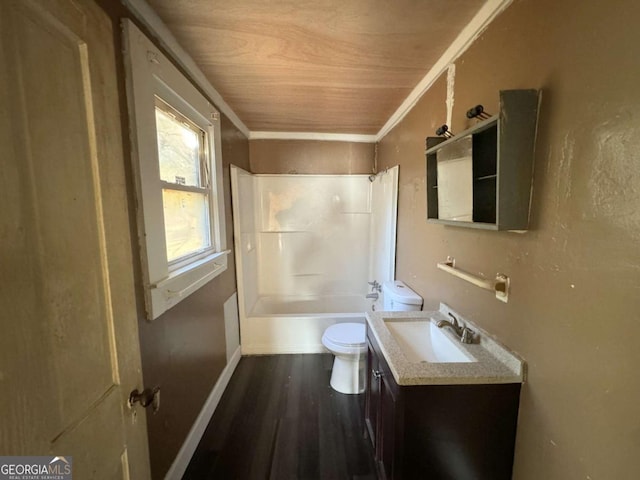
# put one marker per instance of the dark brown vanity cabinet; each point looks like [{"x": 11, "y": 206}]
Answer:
[
  {"x": 453, "y": 432},
  {"x": 380, "y": 412}
]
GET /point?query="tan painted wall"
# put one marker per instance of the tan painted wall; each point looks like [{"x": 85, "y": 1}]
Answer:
[
  {"x": 310, "y": 156},
  {"x": 573, "y": 310},
  {"x": 184, "y": 349}
]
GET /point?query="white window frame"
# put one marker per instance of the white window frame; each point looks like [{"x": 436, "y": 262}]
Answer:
[{"x": 150, "y": 74}]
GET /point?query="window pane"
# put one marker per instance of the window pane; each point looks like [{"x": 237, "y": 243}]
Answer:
[
  {"x": 186, "y": 222},
  {"x": 180, "y": 145}
]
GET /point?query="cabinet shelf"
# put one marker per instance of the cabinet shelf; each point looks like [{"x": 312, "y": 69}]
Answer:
[
  {"x": 482, "y": 177},
  {"x": 487, "y": 177}
]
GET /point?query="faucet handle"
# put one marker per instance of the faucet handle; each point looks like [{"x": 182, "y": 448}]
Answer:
[
  {"x": 467, "y": 335},
  {"x": 455, "y": 320}
]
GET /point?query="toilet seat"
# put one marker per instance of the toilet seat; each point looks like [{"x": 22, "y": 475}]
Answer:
[{"x": 345, "y": 338}]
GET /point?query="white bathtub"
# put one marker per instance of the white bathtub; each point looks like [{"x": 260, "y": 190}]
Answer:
[{"x": 296, "y": 324}]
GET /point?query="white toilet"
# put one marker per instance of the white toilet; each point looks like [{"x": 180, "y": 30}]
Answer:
[
  {"x": 347, "y": 341},
  {"x": 398, "y": 297}
]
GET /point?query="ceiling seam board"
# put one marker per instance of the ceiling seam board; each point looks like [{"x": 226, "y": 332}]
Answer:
[{"x": 489, "y": 11}]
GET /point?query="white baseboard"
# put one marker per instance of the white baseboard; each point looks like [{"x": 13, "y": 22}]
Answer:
[{"x": 189, "y": 446}]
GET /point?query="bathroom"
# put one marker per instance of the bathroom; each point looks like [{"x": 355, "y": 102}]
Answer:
[{"x": 572, "y": 309}]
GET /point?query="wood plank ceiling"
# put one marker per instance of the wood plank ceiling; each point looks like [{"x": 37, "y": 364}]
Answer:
[{"x": 325, "y": 66}]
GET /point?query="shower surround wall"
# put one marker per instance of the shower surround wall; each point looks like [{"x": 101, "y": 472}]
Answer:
[{"x": 306, "y": 247}]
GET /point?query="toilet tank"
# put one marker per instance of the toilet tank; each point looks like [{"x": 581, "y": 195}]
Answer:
[{"x": 398, "y": 297}]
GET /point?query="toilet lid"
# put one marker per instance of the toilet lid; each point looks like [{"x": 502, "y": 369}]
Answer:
[{"x": 346, "y": 333}]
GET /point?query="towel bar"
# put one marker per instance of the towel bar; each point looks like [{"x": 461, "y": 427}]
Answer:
[{"x": 499, "y": 285}]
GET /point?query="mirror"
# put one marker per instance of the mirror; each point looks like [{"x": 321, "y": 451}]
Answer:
[
  {"x": 455, "y": 181},
  {"x": 462, "y": 178}
]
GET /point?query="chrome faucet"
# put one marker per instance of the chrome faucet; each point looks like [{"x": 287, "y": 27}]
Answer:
[
  {"x": 373, "y": 295},
  {"x": 464, "y": 334}
]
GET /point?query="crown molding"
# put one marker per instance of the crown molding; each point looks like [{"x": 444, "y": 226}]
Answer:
[
  {"x": 463, "y": 41},
  {"x": 326, "y": 137}
]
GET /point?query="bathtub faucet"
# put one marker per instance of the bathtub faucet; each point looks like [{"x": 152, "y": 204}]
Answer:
[
  {"x": 375, "y": 287},
  {"x": 373, "y": 295}
]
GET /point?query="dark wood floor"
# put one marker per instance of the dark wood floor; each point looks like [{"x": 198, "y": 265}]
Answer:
[{"x": 280, "y": 419}]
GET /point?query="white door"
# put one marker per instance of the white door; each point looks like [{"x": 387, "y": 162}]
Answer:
[{"x": 69, "y": 352}]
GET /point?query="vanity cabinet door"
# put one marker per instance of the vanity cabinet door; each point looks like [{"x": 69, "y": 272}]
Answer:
[
  {"x": 382, "y": 410},
  {"x": 387, "y": 438},
  {"x": 372, "y": 395}
]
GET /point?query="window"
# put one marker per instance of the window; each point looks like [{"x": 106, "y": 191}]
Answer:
[
  {"x": 178, "y": 170},
  {"x": 183, "y": 159}
]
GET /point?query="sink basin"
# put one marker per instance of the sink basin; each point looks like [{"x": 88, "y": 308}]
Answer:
[{"x": 423, "y": 341}]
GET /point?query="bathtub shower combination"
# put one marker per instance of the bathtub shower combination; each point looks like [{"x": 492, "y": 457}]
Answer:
[{"x": 306, "y": 248}]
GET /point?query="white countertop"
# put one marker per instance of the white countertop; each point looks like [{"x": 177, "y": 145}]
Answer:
[{"x": 495, "y": 363}]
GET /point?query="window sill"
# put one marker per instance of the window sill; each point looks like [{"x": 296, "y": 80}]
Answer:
[{"x": 182, "y": 282}]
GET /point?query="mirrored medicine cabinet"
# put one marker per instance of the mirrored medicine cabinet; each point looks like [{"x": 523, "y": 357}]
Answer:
[{"x": 482, "y": 177}]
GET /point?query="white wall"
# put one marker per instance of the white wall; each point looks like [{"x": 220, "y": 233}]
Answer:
[
  {"x": 313, "y": 234},
  {"x": 243, "y": 186},
  {"x": 384, "y": 209}
]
